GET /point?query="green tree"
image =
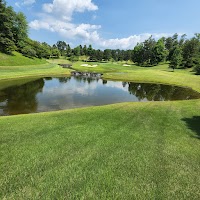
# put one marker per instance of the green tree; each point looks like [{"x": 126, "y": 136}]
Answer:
[
  {"x": 62, "y": 46},
  {"x": 77, "y": 51},
  {"x": 89, "y": 50},
  {"x": 159, "y": 52},
  {"x": 190, "y": 50},
  {"x": 55, "y": 52},
  {"x": 176, "y": 58},
  {"x": 28, "y": 51},
  {"x": 20, "y": 30},
  {"x": 85, "y": 50},
  {"x": 107, "y": 54},
  {"x": 7, "y": 17},
  {"x": 138, "y": 54},
  {"x": 68, "y": 51},
  {"x": 99, "y": 55},
  {"x": 73, "y": 58}
]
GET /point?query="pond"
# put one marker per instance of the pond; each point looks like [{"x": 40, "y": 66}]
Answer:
[{"x": 51, "y": 94}]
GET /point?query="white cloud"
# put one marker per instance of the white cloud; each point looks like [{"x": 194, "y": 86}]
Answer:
[
  {"x": 25, "y": 3},
  {"x": 65, "y": 8},
  {"x": 28, "y": 2},
  {"x": 86, "y": 32},
  {"x": 57, "y": 17},
  {"x": 89, "y": 33},
  {"x": 129, "y": 42}
]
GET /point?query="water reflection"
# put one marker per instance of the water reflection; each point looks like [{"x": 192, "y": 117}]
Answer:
[
  {"x": 156, "y": 92},
  {"x": 20, "y": 99},
  {"x": 48, "y": 94}
]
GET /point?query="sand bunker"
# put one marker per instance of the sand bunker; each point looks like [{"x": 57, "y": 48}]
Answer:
[
  {"x": 86, "y": 65},
  {"x": 125, "y": 65}
]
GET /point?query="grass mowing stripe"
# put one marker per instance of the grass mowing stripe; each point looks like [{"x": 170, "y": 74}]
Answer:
[{"x": 117, "y": 151}]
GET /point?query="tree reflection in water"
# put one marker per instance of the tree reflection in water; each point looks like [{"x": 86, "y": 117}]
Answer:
[
  {"x": 158, "y": 92},
  {"x": 21, "y": 99},
  {"x": 46, "y": 94}
]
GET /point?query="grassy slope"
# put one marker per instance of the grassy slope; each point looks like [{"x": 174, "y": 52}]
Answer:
[
  {"x": 13, "y": 72},
  {"x": 18, "y": 59},
  {"x": 121, "y": 151}
]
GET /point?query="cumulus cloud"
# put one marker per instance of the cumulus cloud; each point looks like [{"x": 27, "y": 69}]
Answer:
[
  {"x": 66, "y": 8},
  {"x": 129, "y": 42},
  {"x": 86, "y": 32},
  {"x": 24, "y": 3},
  {"x": 89, "y": 33},
  {"x": 28, "y": 2},
  {"x": 57, "y": 17}
]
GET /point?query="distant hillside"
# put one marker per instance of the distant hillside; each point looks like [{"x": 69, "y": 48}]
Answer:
[{"x": 18, "y": 59}]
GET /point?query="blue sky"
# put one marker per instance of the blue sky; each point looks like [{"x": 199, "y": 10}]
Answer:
[{"x": 108, "y": 23}]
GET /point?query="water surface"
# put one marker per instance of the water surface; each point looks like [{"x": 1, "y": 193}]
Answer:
[{"x": 50, "y": 94}]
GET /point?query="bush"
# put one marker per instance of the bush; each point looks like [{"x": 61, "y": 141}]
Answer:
[
  {"x": 28, "y": 52},
  {"x": 7, "y": 45},
  {"x": 197, "y": 69}
]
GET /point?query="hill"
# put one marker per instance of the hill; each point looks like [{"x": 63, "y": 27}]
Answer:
[{"x": 18, "y": 59}]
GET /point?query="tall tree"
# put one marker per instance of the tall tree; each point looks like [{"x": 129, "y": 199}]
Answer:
[
  {"x": 89, "y": 50},
  {"x": 159, "y": 52},
  {"x": 190, "y": 50},
  {"x": 176, "y": 58},
  {"x": 7, "y": 18},
  {"x": 62, "y": 46},
  {"x": 20, "y": 30},
  {"x": 107, "y": 54}
]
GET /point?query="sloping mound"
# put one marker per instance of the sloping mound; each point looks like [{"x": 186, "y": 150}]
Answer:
[{"x": 18, "y": 59}]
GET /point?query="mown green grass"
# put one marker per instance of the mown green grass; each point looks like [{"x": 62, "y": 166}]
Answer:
[
  {"x": 9, "y": 75},
  {"x": 18, "y": 59},
  {"x": 121, "y": 151}
]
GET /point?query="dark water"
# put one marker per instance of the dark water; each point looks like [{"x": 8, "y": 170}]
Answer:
[{"x": 49, "y": 94}]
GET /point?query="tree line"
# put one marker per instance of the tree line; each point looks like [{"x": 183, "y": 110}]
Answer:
[{"x": 179, "y": 52}]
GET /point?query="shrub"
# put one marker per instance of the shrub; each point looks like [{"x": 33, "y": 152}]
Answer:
[{"x": 28, "y": 52}]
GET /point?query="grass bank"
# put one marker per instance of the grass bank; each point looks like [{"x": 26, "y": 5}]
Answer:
[
  {"x": 11, "y": 75},
  {"x": 121, "y": 151},
  {"x": 18, "y": 59}
]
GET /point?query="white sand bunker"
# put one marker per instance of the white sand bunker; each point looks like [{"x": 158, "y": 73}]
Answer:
[
  {"x": 86, "y": 65},
  {"x": 125, "y": 65}
]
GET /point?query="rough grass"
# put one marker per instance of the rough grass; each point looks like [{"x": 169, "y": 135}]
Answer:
[
  {"x": 18, "y": 59},
  {"x": 121, "y": 151}
]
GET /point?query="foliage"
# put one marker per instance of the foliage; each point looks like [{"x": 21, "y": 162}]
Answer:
[
  {"x": 176, "y": 58},
  {"x": 29, "y": 52},
  {"x": 197, "y": 69},
  {"x": 74, "y": 58}
]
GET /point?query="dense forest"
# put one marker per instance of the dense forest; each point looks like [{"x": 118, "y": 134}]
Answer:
[{"x": 180, "y": 52}]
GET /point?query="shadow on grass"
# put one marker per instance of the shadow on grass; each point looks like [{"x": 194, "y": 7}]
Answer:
[{"x": 194, "y": 125}]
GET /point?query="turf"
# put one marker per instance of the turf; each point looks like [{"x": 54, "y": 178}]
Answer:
[
  {"x": 121, "y": 151},
  {"x": 18, "y": 59},
  {"x": 27, "y": 71}
]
